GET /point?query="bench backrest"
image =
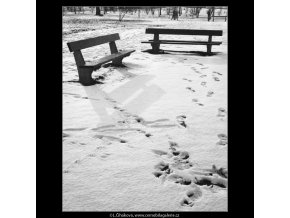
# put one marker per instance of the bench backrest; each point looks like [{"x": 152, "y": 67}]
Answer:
[
  {"x": 86, "y": 43},
  {"x": 184, "y": 32}
]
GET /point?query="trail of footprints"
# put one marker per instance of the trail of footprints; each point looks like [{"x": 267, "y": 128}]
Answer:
[
  {"x": 122, "y": 126},
  {"x": 203, "y": 83},
  {"x": 178, "y": 160}
]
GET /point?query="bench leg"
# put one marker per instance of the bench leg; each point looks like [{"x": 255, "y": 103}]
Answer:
[
  {"x": 155, "y": 48},
  {"x": 209, "y": 49},
  {"x": 117, "y": 62},
  {"x": 85, "y": 76}
]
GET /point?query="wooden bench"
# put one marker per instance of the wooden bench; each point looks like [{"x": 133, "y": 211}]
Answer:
[
  {"x": 85, "y": 69},
  {"x": 155, "y": 43}
]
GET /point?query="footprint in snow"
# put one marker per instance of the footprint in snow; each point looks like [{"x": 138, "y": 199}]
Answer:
[
  {"x": 179, "y": 179},
  {"x": 189, "y": 88},
  {"x": 173, "y": 145},
  {"x": 191, "y": 196},
  {"x": 181, "y": 120},
  {"x": 223, "y": 139},
  {"x": 209, "y": 93},
  {"x": 216, "y": 78},
  {"x": 221, "y": 112},
  {"x": 217, "y": 73}
]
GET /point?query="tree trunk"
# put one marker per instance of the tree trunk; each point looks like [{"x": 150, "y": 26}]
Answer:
[
  {"x": 139, "y": 13},
  {"x": 75, "y": 10},
  {"x": 180, "y": 11},
  {"x": 159, "y": 12},
  {"x": 197, "y": 12},
  {"x": 98, "y": 11}
]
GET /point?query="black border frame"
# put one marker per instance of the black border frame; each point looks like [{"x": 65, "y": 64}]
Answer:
[{"x": 240, "y": 104}]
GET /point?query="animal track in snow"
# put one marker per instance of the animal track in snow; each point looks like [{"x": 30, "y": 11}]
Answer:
[
  {"x": 193, "y": 68},
  {"x": 210, "y": 181},
  {"x": 222, "y": 142},
  {"x": 162, "y": 169},
  {"x": 179, "y": 179},
  {"x": 202, "y": 76},
  {"x": 203, "y": 84},
  {"x": 221, "y": 112},
  {"x": 162, "y": 166},
  {"x": 173, "y": 145},
  {"x": 195, "y": 100},
  {"x": 148, "y": 135},
  {"x": 191, "y": 196},
  {"x": 181, "y": 154},
  {"x": 189, "y": 80},
  {"x": 157, "y": 174},
  {"x": 186, "y": 202},
  {"x": 209, "y": 93},
  {"x": 189, "y": 88},
  {"x": 223, "y": 172},
  {"x": 181, "y": 120},
  {"x": 216, "y": 78},
  {"x": 217, "y": 73},
  {"x": 194, "y": 194},
  {"x": 181, "y": 164},
  {"x": 222, "y": 136}
]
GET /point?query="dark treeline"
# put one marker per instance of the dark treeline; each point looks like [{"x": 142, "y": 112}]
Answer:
[{"x": 174, "y": 11}]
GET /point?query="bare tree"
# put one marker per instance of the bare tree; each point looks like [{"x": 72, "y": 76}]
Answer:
[
  {"x": 197, "y": 10},
  {"x": 98, "y": 11},
  {"x": 122, "y": 12},
  {"x": 147, "y": 10}
]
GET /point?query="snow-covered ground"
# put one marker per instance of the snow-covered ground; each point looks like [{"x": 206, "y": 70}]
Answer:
[{"x": 146, "y": 139}]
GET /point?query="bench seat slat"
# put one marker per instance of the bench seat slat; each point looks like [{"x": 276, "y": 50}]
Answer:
[
  {"x": 181, "y": 41},
  {"x": 183, "y": 32},
  {"x": 184, "y": 42},
  {"x": 96, "y": 64},
  {"x": 87, "y": 43}
]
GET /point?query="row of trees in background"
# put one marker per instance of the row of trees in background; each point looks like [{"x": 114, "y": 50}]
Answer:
[{"x": 101, "y": 11}]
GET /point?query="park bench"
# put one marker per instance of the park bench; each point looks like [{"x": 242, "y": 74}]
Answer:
[
  {"x": 155, "y": 43},
  {"x": 85, "y": 69}
]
